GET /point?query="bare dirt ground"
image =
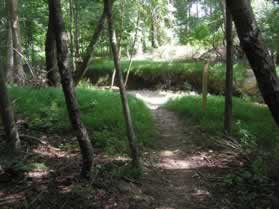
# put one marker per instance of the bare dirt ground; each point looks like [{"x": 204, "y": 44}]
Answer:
[
  {"x": 183, "y": 170},
  {"x": 186, "y": 166}
]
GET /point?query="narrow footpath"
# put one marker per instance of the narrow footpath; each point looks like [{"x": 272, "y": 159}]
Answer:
[{"x": 185, "y": 167}]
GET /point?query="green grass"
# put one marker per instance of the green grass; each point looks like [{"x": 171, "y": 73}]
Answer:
[
  {"x": 250, "y": 121},
  {"x": 152, "y": 70},
  {"x": 101, "y": 111}
]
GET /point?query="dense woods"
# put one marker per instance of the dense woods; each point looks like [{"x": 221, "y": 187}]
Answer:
[{"x": 139, "y": 104}]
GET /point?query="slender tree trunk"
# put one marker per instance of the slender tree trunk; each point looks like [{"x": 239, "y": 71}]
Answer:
[
  {"x": 127, "y": 114},
  {"x": 90, "y": 49},
  {"x": 10, "y": 56},
  {"x": 19, "y": 75},
  {"x": 51, "y": 57},
  {"x": 257, "y": 54},
  {"x": 72, "y": 51},
  {"x": 205, "y": 86},
  {"x": 277, "y": 57},
  {"x": 77, "y": 30},
  {"x": 7, "y": 116},
  {"x": 229, "y": 74},
  {"x": 153, "y": 33},
  {"x": 132, "y": 50},
  {"x": 67, "y": 83}
]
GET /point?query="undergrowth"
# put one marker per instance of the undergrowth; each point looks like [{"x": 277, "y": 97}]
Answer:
[
  {"x": 153, "y": 68},
  {"x": 254, "y": 128},
  {"x": 101, "y": 112}
]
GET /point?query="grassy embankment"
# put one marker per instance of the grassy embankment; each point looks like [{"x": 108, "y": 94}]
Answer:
[
  {"x": 176, "y": 71},
  {"x": 253, "y": 125},
  {"x": 101, "y": 111}
]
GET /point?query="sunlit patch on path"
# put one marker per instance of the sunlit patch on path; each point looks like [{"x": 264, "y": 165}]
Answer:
[{"x": 154, "y": 99}]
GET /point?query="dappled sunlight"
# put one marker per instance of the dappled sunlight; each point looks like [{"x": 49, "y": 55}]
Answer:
[
  {"x": 52, "y": 152},
  {"x": 38, "y": 174},
  {"x": 176, "y": 160},
  {"x": 201, "y": 194},
  {"x": 154, "y": 99},
  {"x": 10, "y": 199}
]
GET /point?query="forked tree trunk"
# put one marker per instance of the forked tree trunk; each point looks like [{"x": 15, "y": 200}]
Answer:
[
  {"x": 51, "y": 57},
  {"x": 7, "y": 117},
  {"x": 18, "y": 72},
  {"x": 67, "y": 83},
  {"x": 229, "y": 73},
  {"x": 257, "y": 54},
  {"x": 90, "y": 49},
  {"x": 115, "y": 51}
]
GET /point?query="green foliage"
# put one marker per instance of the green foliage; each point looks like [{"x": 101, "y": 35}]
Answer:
[
  {"x": 252, "y": 122},
  {"x": 269, "y": 24},
  {"x": 101, "y": 111},
  {"x": 153, "y": 70},
  {"x": 258, "y": 135}
]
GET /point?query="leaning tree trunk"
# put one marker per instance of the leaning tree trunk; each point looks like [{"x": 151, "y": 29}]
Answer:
[
  {"x": 89, "y": 51},
  {"x": 51, "y": 57},
  {"x": 19, "y": 75},
  {"x": 127, "y": 114},
  {"x": 229, "y": 74},
  {"x": 86, "y": 148},
  {"x": 7, "y": 116},
  {"x": 257, "y": 54}
]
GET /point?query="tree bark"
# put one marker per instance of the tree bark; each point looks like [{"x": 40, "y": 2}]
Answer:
[
  {"x": 51, "y": 57},
  {"x": 90, "y": 49},
  {"x": 19, "y": 75},
  {"x": 229, "y": 73},
  {"x": 115, "y": 51},
  {"x": 257, "y": 54},
  {"x": 132, "y": 51},
  {"x": 7, "y": 116},
  {"x": 71, "y": 30},
  {"x": 153, "y": 33},
  {"x": 67, "y": 83},
  {"x": 77, "y": 31},
  {"x": 10, "y": 56},
  {"x": 277, "y": 57}
]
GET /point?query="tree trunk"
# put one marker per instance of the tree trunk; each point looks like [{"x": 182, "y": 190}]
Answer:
[
  {"x": 7, "y": 116},
  {"x": 205, "y": 87},
  {"x": 51, "y": 57},
  {"x": 277, "y": 57},
  {"x": 71, "y": 28},
  {"x": 257, "y": 54},
  {"x": 127, "y": 114},
  {"x": 90, "y": 49},
  {"x": 229, "y": 74},
  {"x": 132, "y": 50},
  {"x": 67, "y": 83},
  {"x": 153, "y": 33},
  {"x": 77, "y": 31},
  {"x": 19, "y": 75},
  {"x": 10, "y": 57}
]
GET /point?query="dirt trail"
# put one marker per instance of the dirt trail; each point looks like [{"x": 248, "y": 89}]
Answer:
[{"x": 183, "y": 169}]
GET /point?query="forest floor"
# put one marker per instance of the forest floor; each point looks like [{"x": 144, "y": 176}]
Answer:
[{"x": 183, "y": 170}]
